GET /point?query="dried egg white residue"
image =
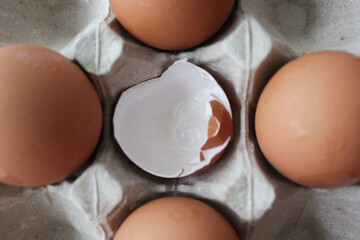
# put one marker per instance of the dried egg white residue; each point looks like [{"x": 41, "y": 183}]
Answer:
[{"x": 174, "y": 125}]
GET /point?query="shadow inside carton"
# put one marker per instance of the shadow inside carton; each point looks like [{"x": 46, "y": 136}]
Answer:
[{"x": 273, "y": 62}]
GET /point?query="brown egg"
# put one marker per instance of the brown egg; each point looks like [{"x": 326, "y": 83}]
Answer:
[
  {"x": 175, "y": 218},
  {"x": 50, "y": 116},
  {"x": 172, "y": 25},
  {"x": 308, "y": 120}
]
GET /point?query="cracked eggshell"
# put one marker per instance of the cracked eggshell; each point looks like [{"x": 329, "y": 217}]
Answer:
[{"x": 180, "y": 122}]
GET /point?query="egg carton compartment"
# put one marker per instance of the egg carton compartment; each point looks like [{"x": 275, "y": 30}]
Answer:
[
  {"x": 257, "y": 40},
  {"x": 50, "y": 23},
  {"x": 300, "y": 27},
  {"x": 42, "y": 214}
]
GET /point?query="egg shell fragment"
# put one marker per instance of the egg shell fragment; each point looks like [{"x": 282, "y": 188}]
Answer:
[{"x": 175, "y": 125}]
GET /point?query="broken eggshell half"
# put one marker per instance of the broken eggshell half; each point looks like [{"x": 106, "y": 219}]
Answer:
[{"x": 174, "y": 125}]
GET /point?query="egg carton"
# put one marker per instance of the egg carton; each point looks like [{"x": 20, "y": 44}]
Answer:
[{"x": 258, "y": 38}]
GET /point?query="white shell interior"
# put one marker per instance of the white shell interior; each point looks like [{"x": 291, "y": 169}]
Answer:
[
  {"x": 260, "y": 36},
  {"x": 167, "y": 118}
]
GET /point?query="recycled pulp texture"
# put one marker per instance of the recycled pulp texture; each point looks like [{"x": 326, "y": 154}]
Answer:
[{"x": 259, "y": 37}]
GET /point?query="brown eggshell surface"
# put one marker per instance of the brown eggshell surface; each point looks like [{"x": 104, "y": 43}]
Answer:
[
  {"x": 219, "y": 130},
  {"x": 50, "y": 116},
  {"x": 308, "y": 120},
  {"x": 175, "y": 218},
  {"x": 174, "y": 24}
]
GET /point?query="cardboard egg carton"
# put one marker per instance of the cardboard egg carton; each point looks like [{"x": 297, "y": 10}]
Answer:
[{"x": 259, "y": 37}]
